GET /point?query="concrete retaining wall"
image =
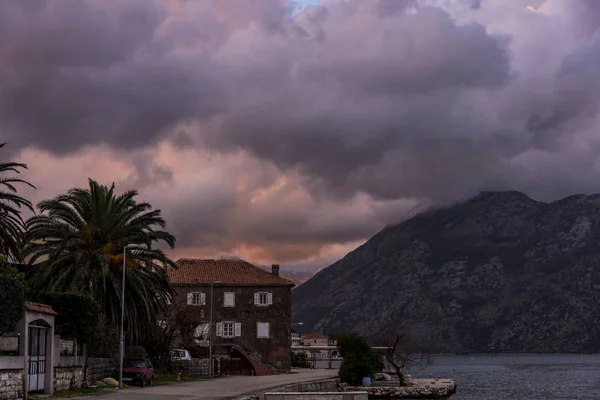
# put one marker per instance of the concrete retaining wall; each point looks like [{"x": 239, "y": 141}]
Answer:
[
  {"x": 11, "y": 384},
  {"x": 327, "y": 385},
  {"x": 66, "y": 378}
]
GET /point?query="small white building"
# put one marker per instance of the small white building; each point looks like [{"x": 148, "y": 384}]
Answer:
[{"x": 315, "y": 339}]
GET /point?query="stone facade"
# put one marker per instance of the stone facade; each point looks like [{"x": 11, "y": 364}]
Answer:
[
  {"x": 251, "y": 312},
  {"x": 11, "y": 384},
  {"x": 273, "y": 351},
  {"x": 66, "y": 378}
]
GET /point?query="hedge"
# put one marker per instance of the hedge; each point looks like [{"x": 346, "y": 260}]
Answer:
[
  {"x": 77, "y": 314},
  {"x": 12, "y": 303}
]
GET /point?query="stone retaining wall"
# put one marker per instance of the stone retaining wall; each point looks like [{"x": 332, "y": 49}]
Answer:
[
  {"x": 421, "y": 389},
  {"x": 67, "y": 378},
  {"x": 195, "y": 367},
  {"x": 99, "y": 368},
  {"x": 11, "y": 384}
]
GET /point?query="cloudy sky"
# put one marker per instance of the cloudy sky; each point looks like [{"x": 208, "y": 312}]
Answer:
[{"x": 291, "y": 133}]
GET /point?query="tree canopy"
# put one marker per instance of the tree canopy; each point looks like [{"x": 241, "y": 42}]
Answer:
[
  {"x": 360, "y": 360},
  {"x": 11, "y": 204},
  {"x": 79, "y": 238},
  {"x": 77, "y": 314},
  {"x": 12, "y": 303}
]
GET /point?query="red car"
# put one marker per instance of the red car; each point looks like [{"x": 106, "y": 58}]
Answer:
[{"x": 137, "y": 371}]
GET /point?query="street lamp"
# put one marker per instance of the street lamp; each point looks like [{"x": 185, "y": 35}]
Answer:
[
  {"x": 122, "y": 343},
  {"x": 210, "y": 331}
]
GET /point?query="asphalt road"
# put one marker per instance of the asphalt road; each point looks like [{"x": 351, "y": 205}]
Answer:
[{"x": 218, "y": 389}]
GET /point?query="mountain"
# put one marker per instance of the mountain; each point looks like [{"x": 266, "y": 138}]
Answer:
[
  {"x": 497, "y": 273},
  {"x": 298, "y": 277}
]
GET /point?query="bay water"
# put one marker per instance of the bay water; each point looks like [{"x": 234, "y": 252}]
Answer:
[{"x": 517, "y": 377}]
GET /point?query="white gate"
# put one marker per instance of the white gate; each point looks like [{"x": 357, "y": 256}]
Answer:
[{"x": 37, "y": 358}]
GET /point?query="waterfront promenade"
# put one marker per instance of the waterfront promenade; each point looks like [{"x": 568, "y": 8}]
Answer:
[{"x": 219, "y": 388}]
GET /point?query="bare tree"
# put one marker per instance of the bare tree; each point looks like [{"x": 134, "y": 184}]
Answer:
[{"x": 401, "y": 350}]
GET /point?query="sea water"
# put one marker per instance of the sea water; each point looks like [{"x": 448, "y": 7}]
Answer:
[{"x": 515, "y": 377}]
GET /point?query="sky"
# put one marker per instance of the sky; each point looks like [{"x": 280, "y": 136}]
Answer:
[{"x": 291, "y": 133}]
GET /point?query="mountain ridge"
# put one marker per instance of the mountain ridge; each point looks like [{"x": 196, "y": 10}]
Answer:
[{"x": 499, "y": 272}]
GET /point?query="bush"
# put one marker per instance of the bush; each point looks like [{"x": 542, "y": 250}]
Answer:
[
  {"x": 77, "y": 314},
  {"x": 360, "y": 360},
  {"x": 299, "y": 361},
  {"x": 353, "y": 344},
  {"x": 12, "y": 303}
]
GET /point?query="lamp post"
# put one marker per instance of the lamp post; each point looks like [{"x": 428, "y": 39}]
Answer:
[
  {"x": 210, "y": 331},
  {"x": 122, "y": 342}
]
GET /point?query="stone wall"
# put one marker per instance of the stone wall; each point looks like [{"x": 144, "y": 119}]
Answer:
[
  {"x": 99, "y": 368},
  {"x": 11, "y": 384},
  {"x": 316, "y": 396},
  {"x": 9, "y": 343},
  {"x": 195, "y": 367},
  {"x": 419, "y": 389},
  {"x": 66, "y": 378}
]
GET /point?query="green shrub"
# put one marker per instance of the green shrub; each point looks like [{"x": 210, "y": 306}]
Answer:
[
  {"x": 299, "y": 361},
  {"x": 77, "y": 314},
  {"x": 360, "y": 360},
  {"x": 12, "y": 303}
]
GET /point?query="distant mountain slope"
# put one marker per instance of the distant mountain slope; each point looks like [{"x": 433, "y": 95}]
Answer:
[
  {"x": 298, "y": 277},
  {"x": 497, "y": 273}
]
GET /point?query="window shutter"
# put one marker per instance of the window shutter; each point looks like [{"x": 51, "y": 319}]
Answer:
[
  {"x": 203, "y": 298},
  {"x": 190, "y": 298},
  {"x": 270, "y": 298},
  {"x": 256, "y": 298},
  {"x": 237, "y": 329},
  {"x": 219, "y": 329},
  {"x": 267, "y": 329}
]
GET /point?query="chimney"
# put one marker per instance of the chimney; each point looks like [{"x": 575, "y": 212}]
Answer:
[{"x": 275, "y": 269}]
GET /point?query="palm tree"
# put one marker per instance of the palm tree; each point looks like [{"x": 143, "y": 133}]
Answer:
[
  {"x": 78, "y": 240},
  {"x": 11, "y": 205}
]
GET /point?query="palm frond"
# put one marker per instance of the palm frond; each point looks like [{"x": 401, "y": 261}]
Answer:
[{"x": 77, "y": 243}]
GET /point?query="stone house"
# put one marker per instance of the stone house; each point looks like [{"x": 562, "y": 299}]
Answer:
[{"x": 250, "y": 309}]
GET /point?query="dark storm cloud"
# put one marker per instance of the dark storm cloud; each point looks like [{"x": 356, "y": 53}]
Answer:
[
  {"x": 77, "y": 73},
  {"x": 424, "y": 101}
]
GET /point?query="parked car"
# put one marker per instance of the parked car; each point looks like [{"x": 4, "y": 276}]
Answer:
[
  {"x": 180, "y": 354},
  {"x": 137, "y": 371}
]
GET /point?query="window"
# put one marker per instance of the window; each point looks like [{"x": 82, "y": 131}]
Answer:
[
  {"x": 229, "y": 299},
  {"x": 229, "y": 329},
  {"x": 263, "y": 298},
  {"x": 262, "y": 330},
  {"x": 196, "y": 299}
]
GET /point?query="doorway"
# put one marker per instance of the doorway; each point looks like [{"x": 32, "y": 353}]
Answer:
[{"x": 37, "y": 358}]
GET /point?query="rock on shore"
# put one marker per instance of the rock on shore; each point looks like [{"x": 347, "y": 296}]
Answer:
[{"x": 420, "y": 389}]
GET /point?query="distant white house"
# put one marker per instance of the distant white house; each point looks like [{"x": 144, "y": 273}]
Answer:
[{"x": 315, "y": 340}]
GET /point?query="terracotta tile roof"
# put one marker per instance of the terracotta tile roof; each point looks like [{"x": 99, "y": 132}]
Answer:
[
  {"x": 315, "y": 335},
  {"x": 39, "y": 307},
  {"x": 233, "y": 272}
]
